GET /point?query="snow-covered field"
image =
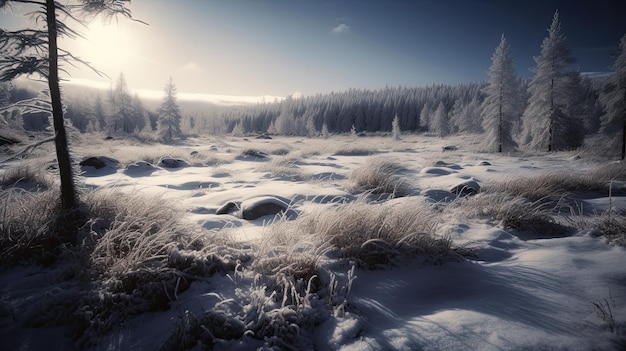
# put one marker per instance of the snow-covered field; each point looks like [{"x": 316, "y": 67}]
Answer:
[{"x": 508, "y": 289}]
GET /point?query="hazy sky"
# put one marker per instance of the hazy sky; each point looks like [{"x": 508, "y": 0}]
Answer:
[{"x": 281, "y": 47}]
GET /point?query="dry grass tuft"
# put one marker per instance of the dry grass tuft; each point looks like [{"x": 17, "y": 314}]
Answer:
[
  {"x": 514, "y": 212},
  {"x": 32, "y": 173},
  {"x": 373, "y": 235},
  {"x": 26, "y": 222},
  {"x": 378, "y": 177},
  {"x": 547, "y": 186},
  {"x": 282, "y": 167}
]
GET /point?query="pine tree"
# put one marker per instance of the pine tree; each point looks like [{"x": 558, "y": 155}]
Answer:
[
  {"x": 35, "y": 50},
  {"x": 499, "y": 108},
  {"x": 545, "y": 119},
  {"x": 425, "y": 115},
  {"x": 439, "y": 122},
  {"x": 472, "y": 117},
  {"x": 396, "y": 132},
  {"x": 122, "y": 109},
  {"x": 614, "y": 119},
  {"x": 325, "y": 132},
  {"x": 169, "y": 114}
]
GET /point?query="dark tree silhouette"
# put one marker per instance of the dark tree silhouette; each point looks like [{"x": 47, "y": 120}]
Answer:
[
  {"x": 35, "y": 51},
  {"x": 614, "y": 120}
]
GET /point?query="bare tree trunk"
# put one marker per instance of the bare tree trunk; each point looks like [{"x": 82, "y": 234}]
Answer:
[{"x": 69, "y": 200}]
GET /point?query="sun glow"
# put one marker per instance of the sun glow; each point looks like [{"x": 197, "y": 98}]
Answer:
[{"x": 107, "y": 46}]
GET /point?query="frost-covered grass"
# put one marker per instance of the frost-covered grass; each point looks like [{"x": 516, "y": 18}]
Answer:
[
  {"x": 134, "y": 254},
  {"x": 33, "y": 173},
  {"x": 378, "y": 176},
  {"x": 547, "y": 186},
  {"x": 27, "y": 219},
  {"x": 373, "y": 235},
  {"x": 515, "y": 212},
  {"x": 281, "y": 166},
  {"x": 145, "y": 263}
]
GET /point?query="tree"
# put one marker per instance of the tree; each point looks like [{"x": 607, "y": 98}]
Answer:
[
  {"x": 545, "y": 118},
  {"x": 500, "y": 104},
  {"x": 169, "y": 114},
  {"x": 35, "y": 51},
  {"x": 396, "y": 132},
  {"x": 439, "y": 121},
  {"x": 325, "y": 133},
  {"x": 121, "y": 116},
  {"x": 614, "y": 97},
  {"x": 425, "y": 115}
]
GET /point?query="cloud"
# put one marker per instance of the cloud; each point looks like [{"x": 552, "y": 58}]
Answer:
[
  {"x": 341, "y": 28},
  {"x": 192, "y": 67}
]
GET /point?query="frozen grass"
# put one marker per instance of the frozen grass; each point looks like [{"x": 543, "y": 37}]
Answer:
[
  {"x": 220, "y": 172},
  {"x": 355, "y": 150},
  {"x": 547, "y": 186},
  {"x": 282, "y": 167},
  {"x": 288, "y": 250},
  {"x": 135, "y": 254},
  {"x": 378, "y": 176},
  {"x": 556, "y": 185},
  {"x": 26, "y": 219},
  {"x": 127, "y": 153},
  {"x": 32, "y": 173},
  {"x": 514, "y": 212},
  {"x": 609, "y": 171},
  {"x": 373, "y": 235},
  {"x": 252, "y": 152}
]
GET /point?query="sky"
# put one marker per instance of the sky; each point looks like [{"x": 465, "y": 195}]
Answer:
[{"x": 248, "y": 49}]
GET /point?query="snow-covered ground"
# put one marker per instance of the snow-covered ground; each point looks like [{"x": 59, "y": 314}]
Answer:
[{"x": 521, "y": 291}]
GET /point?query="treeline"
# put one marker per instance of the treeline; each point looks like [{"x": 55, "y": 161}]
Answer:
[{"x": 358, "y": 109}]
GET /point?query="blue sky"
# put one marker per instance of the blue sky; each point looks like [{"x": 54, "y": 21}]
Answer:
[{"x": 281, "y": 47}]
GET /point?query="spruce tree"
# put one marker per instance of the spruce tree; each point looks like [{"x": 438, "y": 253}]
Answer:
[
  {"x": 439, "y": 121},
  {"x": 499, "y": 108},
  {"x": 547, "y": 126},
  {"x": 614, "y": 119},
  {"x": 396, "y": 132},
  {"x": 169, "y": 114},
  {"x": 35, "y": 50}
]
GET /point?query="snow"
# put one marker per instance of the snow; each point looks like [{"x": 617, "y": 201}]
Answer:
[{"x": 520, "y": 292}]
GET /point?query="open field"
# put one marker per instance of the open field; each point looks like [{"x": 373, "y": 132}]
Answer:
[{"x": 346, "y": 243}]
